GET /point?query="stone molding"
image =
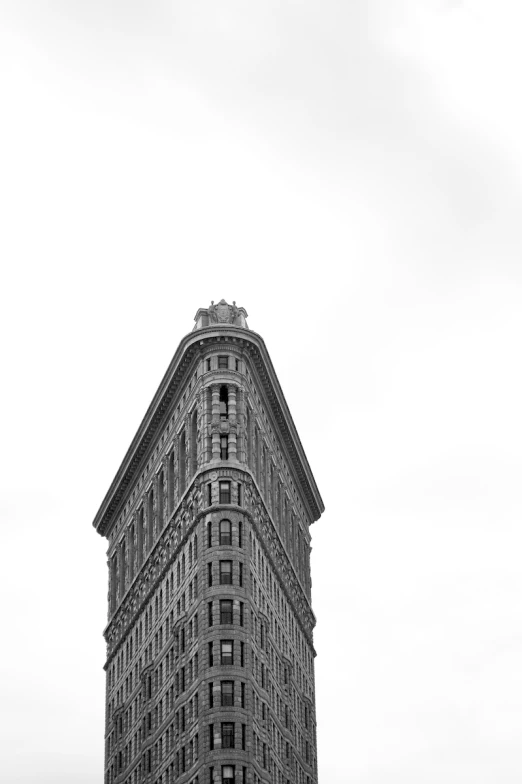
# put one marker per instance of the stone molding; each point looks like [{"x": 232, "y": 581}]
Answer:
[{"x": 172, "y": 383}]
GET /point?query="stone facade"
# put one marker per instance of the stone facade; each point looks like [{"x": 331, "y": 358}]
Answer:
[{"x": 210, "y": 658}]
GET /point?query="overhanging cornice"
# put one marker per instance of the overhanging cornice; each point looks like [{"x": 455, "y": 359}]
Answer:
[{"x": 165, "y": 395}]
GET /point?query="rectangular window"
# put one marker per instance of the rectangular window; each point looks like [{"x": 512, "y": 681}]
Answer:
[
  {"x": 227, "y": 652},
  {"x": 210, "y": 654},
  {"x": 209, "y": 495},
  {"x": 208, "y": 365},
  {"x": 239, "y": 494},
  {"x": 242, "y": 654},
  {"x": 227, "y": 735},
  {"x": 242, "y": 695},
  {"x": 240, "y": 534},
  {"x": 227, "y": 774},
  {"x": 225, "y": 573},
  {"x": 209, "y": 611},
  {"x": 237, "y": 364},
  {"x": 241, "y": 614},
  {"x": 227, "y": 692},
  {"x": 243, "y": 736},
  {"x": 224, "y": 492},
  {"x": 210, "y": 695},
  {"x": 223, "y": 363},
  {"x": 209, "y": 571},
  {"x": 240, "y": 575},
  {"x": 225, "y": 532},
  {"x": 209, "y": 534},
  {"x": 224, "y": 447},
  {"x": 225, "y": 611},
  {"x": 211, "y": 737}
]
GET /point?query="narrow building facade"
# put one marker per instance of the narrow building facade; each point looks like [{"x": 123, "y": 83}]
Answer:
[{"x": 210, "y": 656}]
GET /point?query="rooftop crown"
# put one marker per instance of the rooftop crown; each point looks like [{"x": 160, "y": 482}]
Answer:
[{"x": 222, "y": 313}]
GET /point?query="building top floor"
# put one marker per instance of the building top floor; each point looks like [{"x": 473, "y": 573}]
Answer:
[{"x": 221, "y": 382}]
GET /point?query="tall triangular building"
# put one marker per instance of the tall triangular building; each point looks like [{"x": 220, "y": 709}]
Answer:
[{"x": 210, "y": 657}]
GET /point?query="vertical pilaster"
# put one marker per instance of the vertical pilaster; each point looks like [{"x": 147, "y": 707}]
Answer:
[
  {"x": 232, "y": 418},
  {"x": 131, "y": 547},
  {"x": 207, "y": 424},
  {"x": 215, "y": 422}
]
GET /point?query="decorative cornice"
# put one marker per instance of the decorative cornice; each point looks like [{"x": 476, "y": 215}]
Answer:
[
  {"x": 167, "y": 548},
  {"x": 171, "y": 384}
]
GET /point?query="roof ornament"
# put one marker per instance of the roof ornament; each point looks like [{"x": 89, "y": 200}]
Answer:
[{"x": 222, "y": 313}]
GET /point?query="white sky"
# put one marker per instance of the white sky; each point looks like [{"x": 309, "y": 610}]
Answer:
[{"x": 350, "y": 172}]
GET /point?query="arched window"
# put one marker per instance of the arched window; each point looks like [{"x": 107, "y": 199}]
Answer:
[{"x": 225, "y": 532}]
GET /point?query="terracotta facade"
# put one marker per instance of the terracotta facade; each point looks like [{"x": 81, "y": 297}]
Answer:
[{"x": 210, "y": 658}]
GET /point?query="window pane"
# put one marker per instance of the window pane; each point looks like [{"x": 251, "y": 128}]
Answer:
[
  {"x": 227, "y": 735},
  {"x": 225, "y": 609},
  {"x": 225, "y": 532},
  {"x": 227, "y": 692},
  {"x": 225, "y": 572},
  {"x": 227, "y": 652},
  {"x": 227, "y": 774},
  {"x": 224, "y": 492}
]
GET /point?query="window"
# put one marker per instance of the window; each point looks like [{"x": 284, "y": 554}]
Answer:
[
  {"x": 242, "y": 654},
  {"x": 210, "y": 695},
  {"x": 209, "y": 496},
  {"x": 239, "y": 494},
  {"x": 194, "y": 442},
  {"x": 225, "y": 532},
  {"x": 211, "y": 654},
  {"x": 225, "y": 611},
  {"x": 182, "y": 462},
  {"x": 224, "y": 492},
  {"x": 227, "y": 735},
  {"x": 208, "y": 365},
  {"x": 223, "y": 403},
  {"x": 211, "y": 737},
  {"x": 223, "y": 363},
  {"x": 209, "y": 610},
  {"x": 240, "y": 574},
  {"x": 227, "y": 652},
  {"x": 237, "y": 364},
  {"x": 240, "y": 534},
  {"x": 223, "y": 441},
  {"x": 242, "y": 695},
  {"x": 209, "y": 533},
  {"x": 225, "y": 573},
  {"x": 227, "y": 692},
  {"x": 241, "y": 613},
  {"x": 243, "y": 736},
  {"x": 209, "y": 572},
  {"x": 227, "y": 774}
]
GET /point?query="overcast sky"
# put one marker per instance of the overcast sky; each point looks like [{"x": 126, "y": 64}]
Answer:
[{"x": 350, "y": 172}]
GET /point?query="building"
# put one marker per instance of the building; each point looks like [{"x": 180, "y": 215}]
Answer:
[{"x": 210, "y": 657}]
